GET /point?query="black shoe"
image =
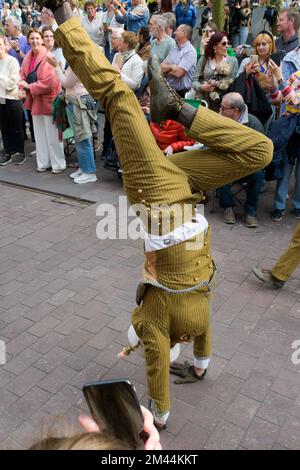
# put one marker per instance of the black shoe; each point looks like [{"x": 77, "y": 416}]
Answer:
[
  {"x": 18, "y": 158},
  {"x": 277, "y": 215},
  {"x": 5, "y": 159},
  {"x": 296, "y": 213},
  {"x": 165, "y": 103}
]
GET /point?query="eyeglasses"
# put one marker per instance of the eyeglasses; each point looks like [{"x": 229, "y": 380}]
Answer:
[
  {"x": 224, "y": 43},
  {"x": 207, "y": 32},
  {"x": 225, "y": 109}
]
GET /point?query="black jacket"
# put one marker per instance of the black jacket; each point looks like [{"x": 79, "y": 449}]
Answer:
[
  {"x": 254, "y": 96},
  {"x": 285, "y": 135}
]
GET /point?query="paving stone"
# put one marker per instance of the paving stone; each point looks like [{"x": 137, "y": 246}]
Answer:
[
  {"x": 38, "y": 313},
  {"x": 226, "y": 436},
  {"x": 256, "y": 386},
  {"x": 61, "y": 297},
  {"x": 241, "y": 411},
  {"x": 62, "y": 400},
  {"x": 289, "y": 436},
  {"x": 49, "y": 341},
  {"x": 12, "y": 314},
  {"x": 193, "y": 437},
  {"x": 275, "y": 408},
  {"x": 15, "y": 328},
  {"x": 22, "y": 361},
  {"x": 240, "y": 365},
  {"x": 103, "y": 339},
  {"x": 75, "y": 340},
  {"x": 44, "y": 326},
  {"x": 25, "y": 381},
  {"x": 52, "y": 359},
  {"x": 261, "y": 435},
  {"x": 30, "y": 402},
  {"x": 57, "y": 379}
]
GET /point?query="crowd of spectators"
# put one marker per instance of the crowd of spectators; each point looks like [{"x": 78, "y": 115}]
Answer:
[{"x": 253, "y": 80}]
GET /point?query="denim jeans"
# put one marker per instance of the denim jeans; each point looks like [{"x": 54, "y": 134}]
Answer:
[
  {"x": 85, "y": 152},
  {"x": 253, "y": 189},
  {"x": 241, "y": 37},
  {"x": 283, "y": 186}
]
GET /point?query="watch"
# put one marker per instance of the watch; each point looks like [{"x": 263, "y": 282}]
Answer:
[{"x": 18, "y": 51}]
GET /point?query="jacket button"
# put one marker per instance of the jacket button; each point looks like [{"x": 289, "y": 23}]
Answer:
[
  {"x": 205, "y": 243},
  {"x": 143, "y": 201},
  {"x": 196, "y": 278},
  {"x": 207, "y": 256},
  {"x": 210, "y": 266},
  {"x": 198, "y": 262},
  {"x": 140, "y": 191}
]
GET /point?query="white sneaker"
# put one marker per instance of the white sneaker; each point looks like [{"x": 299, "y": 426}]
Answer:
[
  {"x": 85, "y": 178},
  {"x": 33, "y": 153},
  {"x": 76, "y": 174},
  {"x": 55, "y": 171}
]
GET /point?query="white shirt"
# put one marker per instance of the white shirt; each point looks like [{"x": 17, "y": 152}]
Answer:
[
  {"x": 186, "y": 231},
  {"x": 93, "y": 27}
]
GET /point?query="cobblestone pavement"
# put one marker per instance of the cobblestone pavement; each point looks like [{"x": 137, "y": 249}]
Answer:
[{"x": 65, "y": 303}]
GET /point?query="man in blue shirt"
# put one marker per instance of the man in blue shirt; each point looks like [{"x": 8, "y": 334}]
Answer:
[
  {"x": 18, "y": 42},
  {"x": 179, "y": 65}
]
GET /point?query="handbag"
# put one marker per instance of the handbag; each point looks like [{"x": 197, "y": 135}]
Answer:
[{"x": 32, "y": 76}]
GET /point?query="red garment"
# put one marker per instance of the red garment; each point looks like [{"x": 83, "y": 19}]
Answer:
[
  {"x": 170, "y": 133},
  {"x": 42, "y": 92}
]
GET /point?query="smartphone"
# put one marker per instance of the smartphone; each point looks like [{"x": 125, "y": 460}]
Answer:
[
  {"x": 276, "y": 58},
  {"x": 115, "y": 407},
  {"x": 254, "y": 58}
]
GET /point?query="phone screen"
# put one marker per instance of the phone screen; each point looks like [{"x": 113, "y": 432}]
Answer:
[{"x": 115, "y": 408}]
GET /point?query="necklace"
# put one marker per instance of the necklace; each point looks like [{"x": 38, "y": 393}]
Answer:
[{"x": 261, "y": 64}]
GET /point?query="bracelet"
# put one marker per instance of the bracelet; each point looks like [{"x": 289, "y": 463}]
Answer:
[
  {"x": 280, "y": 81},
  {"x": 18, "y": 51}
]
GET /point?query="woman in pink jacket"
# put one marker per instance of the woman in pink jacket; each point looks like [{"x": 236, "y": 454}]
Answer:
[{"x": 41, "y": 85}]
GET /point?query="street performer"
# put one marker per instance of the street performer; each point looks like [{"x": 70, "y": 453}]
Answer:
[{"x": 175, "y": 293}]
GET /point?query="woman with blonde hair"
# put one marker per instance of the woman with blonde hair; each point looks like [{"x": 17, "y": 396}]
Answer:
[{"x": 264, "y": 47}]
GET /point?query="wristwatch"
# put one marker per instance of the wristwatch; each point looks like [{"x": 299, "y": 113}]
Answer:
[{"x": 18, "y": 51}]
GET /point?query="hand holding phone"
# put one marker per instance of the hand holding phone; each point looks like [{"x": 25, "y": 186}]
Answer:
[{"x": 115, "y": 408}]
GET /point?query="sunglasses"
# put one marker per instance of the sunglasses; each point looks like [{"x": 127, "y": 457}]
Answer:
[
  {"x": 224, "y": 43},
  {"x": 207, "y": 32}
]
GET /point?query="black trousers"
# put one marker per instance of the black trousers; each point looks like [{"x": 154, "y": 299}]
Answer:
[{"x": 11, "y": 125}]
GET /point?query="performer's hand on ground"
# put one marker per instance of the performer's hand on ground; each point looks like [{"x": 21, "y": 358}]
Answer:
[{"x": 186, "y": 372}]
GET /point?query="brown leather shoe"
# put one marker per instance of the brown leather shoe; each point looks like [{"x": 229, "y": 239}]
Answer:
[
  {"x": 251, "y": 221},
  {"x": 229, "y": 216},
  {"x": 267, "y": 277}
]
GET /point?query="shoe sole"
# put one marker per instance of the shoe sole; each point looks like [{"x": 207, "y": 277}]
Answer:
[
  {"x": 57, "y": 172},
  {"x": 20, "y": 163},
  {"x": 230, "y": 222},
  {"x": 5, "y": 163},
  {"x": 251, "y": 225},
  {"x": 41, "y": 170},
  {"x": 84, "y": 182}
]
